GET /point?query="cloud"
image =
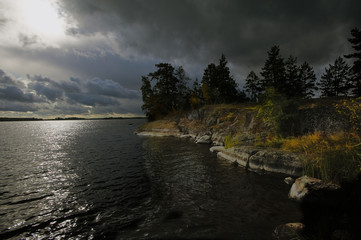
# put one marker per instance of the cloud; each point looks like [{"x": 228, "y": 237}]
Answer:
[
  {"x": 202, "y": 30},
  {"x": 16, "y": 107},
  {"x": 13, "y": 93},
  {"x": 5, "y": 80},
  {"x": 97, "y": 62},
  {"x": 49, "y": 97},
  {"x": 110, "y": 88},
  {"x": 91, "y": 99}
]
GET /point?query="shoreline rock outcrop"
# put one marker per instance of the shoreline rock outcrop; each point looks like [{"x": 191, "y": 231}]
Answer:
[
  {"x": 262, "y": 160},
  {"x": 214, "y": 124}
]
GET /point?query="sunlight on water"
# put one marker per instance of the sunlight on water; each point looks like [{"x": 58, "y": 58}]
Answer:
[{"x": 97, "y": 180}]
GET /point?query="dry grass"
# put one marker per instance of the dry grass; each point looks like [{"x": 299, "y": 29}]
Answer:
[
  {"x": 159, "y": 124},
  {"x": 334, "y": 157}
]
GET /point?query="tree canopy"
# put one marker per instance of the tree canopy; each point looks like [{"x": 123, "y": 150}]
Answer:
[
  {"x": 218, "y": 86},
  {"x": 336, "y": 79},
  {"x": 166, "y": 89},
  {"x": 356, "y": 67}
]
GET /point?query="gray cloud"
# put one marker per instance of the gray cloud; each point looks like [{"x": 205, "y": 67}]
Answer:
[
  {"x": 74, "y": 96},
  {"x": 122, "y": 40},
  {"x": 110, "y": 88},
  {"x": 202, "y": 30},
  {"x": 16, "y": 106},
  {"x": 13, "y": 93},
  {"x": 91, "y": 99},
  {"x": 5, "y": 80},
  {"x": 27, "y": 40}
]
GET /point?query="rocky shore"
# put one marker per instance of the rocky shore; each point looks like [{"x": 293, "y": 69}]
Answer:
[
  {"x": 252, "y": 158},
  {"x": 214, "y": 124}
]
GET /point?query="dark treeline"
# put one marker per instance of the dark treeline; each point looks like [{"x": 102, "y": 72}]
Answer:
[{"x": 168, "y": 89}]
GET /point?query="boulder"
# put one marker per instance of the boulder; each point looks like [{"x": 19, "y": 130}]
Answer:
[
  {"x": 276, "y": 161},
  {"x": 288, "y": 231},
  {"x": 300, "y": 188},
  {"x": 289, "y": 180},
  {"x": 305, "y": 184},
  {"x": 205, "y": 139}
]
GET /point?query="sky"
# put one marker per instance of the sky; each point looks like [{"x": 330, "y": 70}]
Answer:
[{"x": 66, "y": 58}]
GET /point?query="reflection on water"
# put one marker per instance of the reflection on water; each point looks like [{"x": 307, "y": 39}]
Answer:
[
  {"x": 197, "y": 195},
  {"x": 96, "y": 179}
]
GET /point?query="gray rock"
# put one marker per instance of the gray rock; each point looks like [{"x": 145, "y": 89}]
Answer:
[
  {"x": 288, "y": 231},
  {"x": 205, "y": 139},
  {"x": 299, "y": 188},
  {"x": 276, "y": 161},
  {"x": 304, "y": 185},
  {"x": 289, "y": 180}
]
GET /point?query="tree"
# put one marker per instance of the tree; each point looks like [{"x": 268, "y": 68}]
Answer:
[
  {"x": 273, "y": 71},
  {"x": 218, "y": 86},
  {"x": 307, "y": 79},
  {"x": 336, "y": 79},
  {"x": 195, "y": 99},
  {"x": 253, "y": 85},
  {"x": 356, "y": 67},
  {"x": 164, "y": 90},
  {"x": 292, "y": 82},
  {"x": 183, "y": 92}
]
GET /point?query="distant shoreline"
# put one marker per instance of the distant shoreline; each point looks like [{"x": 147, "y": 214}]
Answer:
[{"x": 61, "y": 119}]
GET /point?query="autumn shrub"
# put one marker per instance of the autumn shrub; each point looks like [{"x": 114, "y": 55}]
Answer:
[
  {"x": 351, "y": 110},
  {"x": 280, "y": 114},
  {"x": 334, "y": 157},
  {"x": 229, "y": 142}
]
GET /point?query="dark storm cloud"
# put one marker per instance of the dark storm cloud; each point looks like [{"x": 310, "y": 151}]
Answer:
[
  {"x": 13, "y": 93},
  {"x": 84, "y": 64},
  {"x": 91, "y": 99},
  {"x": 16, "y": 106},
  {"x": 110, "y": 88},
  {"x": 201, "y": 30},
  {"x": 5, "y": 80},
  {"x": 48, "y": 97}
]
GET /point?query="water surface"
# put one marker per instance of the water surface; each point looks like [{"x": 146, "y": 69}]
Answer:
[{"x": 97, "y": 180}]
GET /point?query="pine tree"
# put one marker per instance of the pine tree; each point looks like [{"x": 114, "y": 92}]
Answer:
[
  {"x": 218, "y": 86},
  {"x": 273, "y": 71},
  {"x": 336, "y": 79},
  {"x": 307, "y": 79},
  {"x": 195, "y": 99},
  {"x": 356, "y": 67},
  {"x": 253, "y": 85},
  {"x": 167, "y": 93},
  {"x": 292, "y": 82}
]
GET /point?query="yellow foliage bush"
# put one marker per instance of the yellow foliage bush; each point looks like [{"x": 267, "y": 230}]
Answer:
[{"x": 332, "y": 157}]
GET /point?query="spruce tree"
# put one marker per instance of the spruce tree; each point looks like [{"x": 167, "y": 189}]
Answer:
[
  {"x": 253, "y": 86},
  {"x": 273, "y": 71},
  {"x": 307, "y": 79},
  {"x": 167, "y": 93},
  {"x": 292, "y": 83},
  {"x": 218, "y": 86},
  {"x": 356, "y": 67},
  {"x": 336, "y": 79}
]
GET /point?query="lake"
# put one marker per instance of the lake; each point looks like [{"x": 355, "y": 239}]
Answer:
[{"x": 95, "y": 179}]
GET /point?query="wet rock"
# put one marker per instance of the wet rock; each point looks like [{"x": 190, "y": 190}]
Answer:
[
  {"x": 288, "y": 231},
  {"x": 276, "y": 161},
  {"x": 205, "y": 139},
  {"x": 305, "y": 184},
  {"x": 289, "y": 180},
  {"x": 299, "y": 188}
]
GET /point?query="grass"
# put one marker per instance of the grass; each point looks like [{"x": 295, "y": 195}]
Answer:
[
  {"x": 158, "y": 124},
  {"x": 334, "y": 157}
]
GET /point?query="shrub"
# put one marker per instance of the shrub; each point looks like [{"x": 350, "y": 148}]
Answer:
[{"x": 333, "y": 157}]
